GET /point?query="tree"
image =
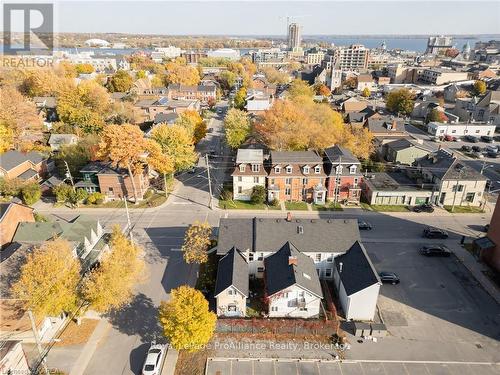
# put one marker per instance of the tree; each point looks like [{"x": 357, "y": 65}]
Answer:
[
  {"x": 400, "y": 102},
  {"x": 31, "y": 193},
  {"x": 240, "y": 98},
  {"x": 6, "y": 138},
  {"x": 62, "y": 192},
  {"x": 84, "y": 68},
  {"x": 141, "y": 74},
  {"x": 161, "y": 162},
  {"x": 186, "y": 319},
  {"x": 227, "y": 79},
  {"x": 200, "y": 131},
  {"x": 125, "y": 146},
  {"x": 76, "y": 156},
  {"x": 435, "y": 115},
  {"x": 359, "y": 140},
  {"x": 258, "y": 194},
  {"x": 190, "y": 120},
  {"x": 177, "y": 143},
  {"x": 299, "y": 88},
  {"x": 179, "y": 72},
  {"x": 274, "y": 76},
  {"x": 237, "y": 127},
  {"x": 196, "y": 242},
  {"x": 111, "y": 284},
  {"x": 121, "y": 81},
  {"x": 479, "y": 87},
  {"x": 49, "y": 278},
  {"x": 321, "y": 89},
  {"x": 77, "y": 196},
  {"x": 366, "y": 92},
  {"x": 351, "y": 82}
]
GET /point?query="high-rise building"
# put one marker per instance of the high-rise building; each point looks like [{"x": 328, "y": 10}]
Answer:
[
  {"x": 352, "y": 58},
  {"x": 437, "y": 45},
  {"x": 294, "y": 36}
]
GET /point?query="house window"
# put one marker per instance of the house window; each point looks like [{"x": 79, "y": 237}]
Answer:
[
  {"x": 317, "y": 169},
  {"x": 289, "y": 169},
  {"x": 274, "y": 308},
  {"x": 277, "y": 169},
  {"x": 288, "y": 191},
  {"x": 242, "y": 167},
  {"x": 453, "y": 131},
  {"x": 240, "y": 179},
  {"x": 318, "y": 257},
  {"x": 230, "y": 292},
  {"x": 240, "y": 190},
  {"x": 301, "y": 293},
  {"x": 469, "y": 197},
  {"x": 355, "y": 183},
  {"x": 352, "y": 170},
  {"x": 255, "y": 167},
  {"x": 304, "y": 181},
  {"x": 256, "y": 180},
  {"x": 260, "y": 269},
  {"x": 261, "y": 256},
  {"x": 306, "y": 169},
  {"x": 458, "y": 188},
  {"x": 250, "y": 257},
  {"x": 329, "y": 259},
  {"x": 304, "y": 191},
  {"x": 288, "y": 181},
  {"x": 302, "y": 308},
  {"x": 110, "y": 191},
  {"x": 328, "y": 272},
  {"x": 338, "y": 170},
  {"x": 272, "y": 181}
]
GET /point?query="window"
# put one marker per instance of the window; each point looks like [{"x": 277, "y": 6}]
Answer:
[
  {"x": 274, "y": 308},
  {"x": 240, "y": 178},
  {"x": 301, "y": 293},
  {"x": 277, "y": 169},
  {"x": 250, "y": 257},
  {"x": 289, "y": 169},
  {"x": 338, "y": 170},
  {"x": 330, "y": 258},
  {"x": 458, "y": 188},
  {"x": 242, "y": 167},
  {"x": 304, "y": 192},
  {"x": 260, "y": 269},
  {"x": 288, "y": 181},
  {"x": 261, "y": 256},
  {"x": 453, "y": 131},
  {"x": 306, "y": 169},
  {"x": 317, "y": 169},
  {"x": 256, "y": 180},
  {"x": 355, "y": 183},
  {"x": 318, "y": 257},
  {"x": 304, "y": 181},
  {"x": 302, "y": 308},
  {"x": 255, "y": 167},
  {"x": 352, "y": 170},
  {"x": 110, "y": 190},
  {"x": 469, "y": 197},
  {"x": 272, "y": 181},
  {"x": 288, "y": 191},
  {"x": 230, "y": 292},
  {"x": 240, "y": 190},
  {"x": 328, "y": 272}
]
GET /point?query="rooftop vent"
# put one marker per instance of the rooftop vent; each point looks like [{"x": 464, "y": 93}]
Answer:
[
  {"x": 292, "y": 260},
  {"x": 289, "y": 216},
  {"x": 306, "y": 276},
  {"x": 300, "y": 229}
]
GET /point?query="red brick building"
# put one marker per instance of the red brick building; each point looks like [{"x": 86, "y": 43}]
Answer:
[{"x": 489, "y": 246}]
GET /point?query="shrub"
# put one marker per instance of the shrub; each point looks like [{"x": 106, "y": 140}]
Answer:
[
  {"x": 148, "y": 194},
  {"x": 39, "y": 218},
  {"x": 62, "y": 192},
  {"x": 258, "y": 194},
  {"x": 31, "y": 193},
  {"x": 10, "y": 187},
  {"x": 95, "y": 198},
  {"x": 226, "y": 194},
  {"x": 275, "y": 202},
  {"x": 78, "y": 196}
]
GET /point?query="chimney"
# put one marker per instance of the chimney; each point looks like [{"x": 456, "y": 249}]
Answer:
[
  {"x": 394, "y": 125},
  {"x": 341, "y": 265},
  {"x": 289, "y": 216},
  {"x": 292, "y": 260}
]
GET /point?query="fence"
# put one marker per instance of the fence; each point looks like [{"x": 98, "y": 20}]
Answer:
[{"x": 277, "y": 326}]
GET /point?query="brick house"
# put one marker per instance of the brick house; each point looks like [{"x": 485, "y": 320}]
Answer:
[
  {"x": 114, "y": 183},
  {"x": 296, "y": 176},
  {"x": 203, "y": 93},
  {"x": 344, "y": 175},
  {"x": 11, "y": 214},
  {"x": 24, "y": 165}
]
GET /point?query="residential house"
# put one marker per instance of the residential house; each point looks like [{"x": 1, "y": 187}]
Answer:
[
  {"x": 353, "y": 105},
  {"x": 395, "y": 189},
  {"x": 258, "y": 101},
  {"x": 440, "y": 129},
  {"x": 260, "y": 83},
  {"x": 258, "y": 238},
  {"x": 386, "y": 129},
  {"x": 404, "y": 151},
  {"x": 58, "y": 140},
  {"x": 47, "y": 108},
  {"x": 203, "y": 93},
  {"x": 484, "y": 109},
  {"x": 359, "y": 118},
  {"x": 296, "y": 176},
  {"x": 357, "y": 283},
  {"x": 114, "y": 183},
  {"x": 49, "y": 184},
  {"x": 166, "y": 118},
  {"x": 292, "y": 286},
  {"x": 440, "y": 76},
  {"x": 480, "y": 72},
  {"x": 231, "y": 286},
  {"x": 24, "y": 165},
  {"x": 455, "y": 183},
  {"x": 381, "y": 81},
  {"x": 248, "y": 173},
  {"x": 151, "y": 107},
  {"x": 365, "y": 81},
  {"x": 12, "y": 358},
  {"x": 454, "y": 91},
  {"x": 11, "y": 214},
  {"x": 344, "y": 176}
]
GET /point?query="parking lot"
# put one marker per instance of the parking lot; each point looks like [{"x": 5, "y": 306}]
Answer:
[{"x": 225, "y": 366}]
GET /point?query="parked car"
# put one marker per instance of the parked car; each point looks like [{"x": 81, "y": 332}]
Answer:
[
  {"x": 492, "y": 148},
  {"x": 486, "y": 227},
  {"x": 493, "y": 155},
  {"x": 431, "y": 232},
  {"x": 465, "y": 148},
  {"x": 476, "y": 148},
  {"x": 426, "y": 207},
  {"x": 471, "y": 139},
  {"x": 364, "y": 225},
  {"x": 450, "y": 138},
  {"x": 389, "y": 278},
  {"x": 487, "y": 139},
  {"x": 191, "y": 170},
  {"x": 154, "y": 359},
  {"x": 435, "y": 251}
]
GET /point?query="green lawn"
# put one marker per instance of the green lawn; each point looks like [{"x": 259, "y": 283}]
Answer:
[
  {"x": 329, "y": 206},
  {"x": 385, "y": 208},
  {"x": 241, "y": 205},
  {"x": 296, "y": 206},
  {"x": 464, "y": 210},
  {"x": 154, "y": 200}
]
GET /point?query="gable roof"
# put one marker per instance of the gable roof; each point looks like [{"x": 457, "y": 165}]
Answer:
[
  {"x": 255, "y": 156},
  {"x": 167, "y": 118},
  {"x": 358, "y": 272},
  {"x": 336, "y": 154},
  {"x": 295, "y": 157},
  {"x": 60, "y": 139},
  {"x": 13, "y": 158},
  {"x": 445, "y": 166},
  {"x": 269, "y": 234},
  {"x": 403, "y": 143},
  {"x": 386, "y": 125},
  {"x": 280, "y": 274},
  {"x": 232, "y": 271},
  {"x": 5, "y": 207}
]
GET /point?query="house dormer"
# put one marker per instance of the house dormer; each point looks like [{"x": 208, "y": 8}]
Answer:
[
  {"x": 306, "y": 169},
  {"x": 338, "y": 169},
  {"x": 289, "y": 169},
  {"x": 317, "y": 169},
  {"x": 242, "y": 167},
  {"x": 352, "y": 169},
  {"x": 277, "y": 169}
]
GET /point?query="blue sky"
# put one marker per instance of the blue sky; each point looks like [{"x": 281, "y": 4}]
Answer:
[{"x": 267, "y": 17}]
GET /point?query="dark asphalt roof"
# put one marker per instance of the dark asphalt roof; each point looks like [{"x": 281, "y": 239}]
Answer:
[
  {"x": 168, "y": 118},
  {"x": 338, "y": 153},
  {"x": 445, "y": 166},
  {"x": 281, "y": 275},
  {"x": 27, "y": 174},
  {"x": 358, "y": 272},
  {"x": 295, "y": 157},
  {"x": 12, "y": 158},
  {"x": 403, "y": 143},
  {"x": 269, "y": 234},
  {"x": 232, "y": 271}
]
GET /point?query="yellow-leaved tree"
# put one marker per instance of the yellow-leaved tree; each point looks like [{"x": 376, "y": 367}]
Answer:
[
  {"x": 177, "y": 143},
  {"x": 196, "y": 242},
  {"x": 186, "y": 319},
  {"x": 111, "y": 285},
  {"x": 49, "y": 279},
  {"x": 160, "y": 161}
]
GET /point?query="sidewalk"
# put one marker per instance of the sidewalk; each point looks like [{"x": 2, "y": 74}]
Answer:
[
  {"x": 90, "y": 347},
  {"x": 170, "y": 361}
]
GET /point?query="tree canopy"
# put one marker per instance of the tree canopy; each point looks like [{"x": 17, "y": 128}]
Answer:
[
  {"x": 196, "y": 242},
  {"x": 121, "y": 81},
  {"x": 479, "y": 87},
  {"x": 237, "y": 127},
  {"x": 176, "y": 142},
  {"x": 400, "y": 101}
]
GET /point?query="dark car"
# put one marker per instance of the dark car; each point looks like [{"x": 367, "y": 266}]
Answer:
[
  {"x": 431, "y": 232},
  {"x": 471, "y": 139},
  {"x": 486, "y": 227},
  {"x": 466, "y": 148},
  {"x": 476, "y": 148},
  {"x": 435, "y": 251},
  {"x": 493, "y": 155},
  {"x": 389, "y": 278},
  {"x": 424, "y": 208},
  {"x": 487, "y": 139},
  {"x": 364, "y": 225}
]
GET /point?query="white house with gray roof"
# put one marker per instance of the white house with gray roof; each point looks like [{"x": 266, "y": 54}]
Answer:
[{"x": 248, "y": 173}]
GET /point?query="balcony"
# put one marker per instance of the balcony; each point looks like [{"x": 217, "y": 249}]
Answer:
[{"x": 297, "y": 302}]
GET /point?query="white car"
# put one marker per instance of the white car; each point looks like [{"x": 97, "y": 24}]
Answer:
[{"x": 154, "y": 359}]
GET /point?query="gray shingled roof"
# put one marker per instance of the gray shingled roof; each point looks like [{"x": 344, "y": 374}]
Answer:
[
  {"x": 61, "y": 139},
  {"x": 255, "y": 156},
  {"x": 445, "y": 166},
  {"x": 295, "y": 157},
  {"x": 337, "y": 153},
  {"x": 12, "y": 158},
  {"x": 281, "y": 275},
  {"x": 403, "y": 143},
  {"x": 269, "y": 234},
  {"x": 358, "y": 272},
  {"x": 232, "y": 271}
]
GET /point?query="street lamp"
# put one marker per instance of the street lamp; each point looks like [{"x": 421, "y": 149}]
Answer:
[{"x": 486, "y": 166}]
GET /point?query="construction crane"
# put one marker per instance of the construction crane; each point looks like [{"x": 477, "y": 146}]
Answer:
[{"x": 288, "y": 18}]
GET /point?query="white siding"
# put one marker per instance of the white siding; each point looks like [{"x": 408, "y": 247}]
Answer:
[
  {"x": 246, "y": 184},
  {"x": 225, "y": 299},
  {"x": 362, "y": 305},
  {"x": 286, "y": 304}
]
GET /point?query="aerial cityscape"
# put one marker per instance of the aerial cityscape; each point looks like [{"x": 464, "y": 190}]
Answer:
[{"x": 233, "y": 188}]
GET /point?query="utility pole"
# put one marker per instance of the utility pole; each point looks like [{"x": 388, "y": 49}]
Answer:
[
  {"x": 129, "y": 224},
  {"x": 209, "y": 183},
  {"x": 336, "y": 189},
  {"x": 38, "y": 344},
  {"x": 68, "y": 175},
  {"x": 456, "y": 190}
]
